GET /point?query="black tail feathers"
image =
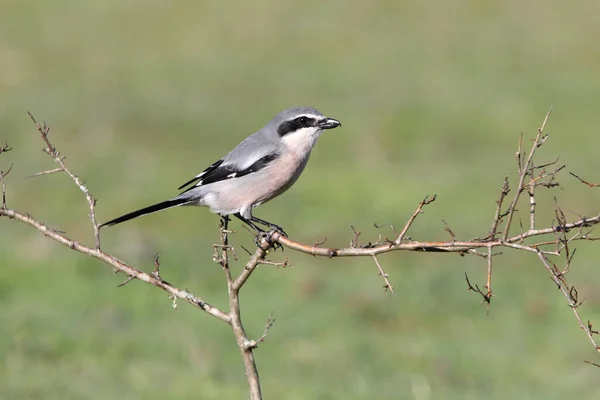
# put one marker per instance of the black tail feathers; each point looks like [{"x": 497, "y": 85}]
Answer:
[{"x": 146, "y": 210}]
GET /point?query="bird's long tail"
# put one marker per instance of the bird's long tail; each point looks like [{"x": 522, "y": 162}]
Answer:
[{"x": 147, "y": 210}]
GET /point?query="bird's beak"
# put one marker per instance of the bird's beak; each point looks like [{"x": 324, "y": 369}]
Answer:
[{"x": 329, "y": 123}]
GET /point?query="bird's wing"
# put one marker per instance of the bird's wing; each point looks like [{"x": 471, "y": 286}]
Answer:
[
  {"x": 221, "y": 171},
  {"x": 202, "y": 174},
  {"x": 251, "y": 155}
]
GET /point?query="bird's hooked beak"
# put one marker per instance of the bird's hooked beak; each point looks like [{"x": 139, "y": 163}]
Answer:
[{"x": 329, "y": 123}]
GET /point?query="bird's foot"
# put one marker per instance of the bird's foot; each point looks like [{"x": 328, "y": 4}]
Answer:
[
  {"x": 268, "y": 236},
  {"x": 276, "y": 228}
]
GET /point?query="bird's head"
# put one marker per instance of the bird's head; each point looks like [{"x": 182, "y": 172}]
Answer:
[{"x": 300, "y": 127}]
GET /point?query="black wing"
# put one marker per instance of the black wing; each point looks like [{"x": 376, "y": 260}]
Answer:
[
  {"x": 202, "y": 174},
  {"x": 218, "y": 172}
]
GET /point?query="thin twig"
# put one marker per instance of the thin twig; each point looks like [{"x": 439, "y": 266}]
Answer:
[
  {"x": 488, "y": 285},
  {"x": 476, "y": 289},
  {"x": 2, "y": 176},
  {"x": 498, "y": 215},
  {"x": 584, "y": 181},
  {"x": 427, "y": 200},
  {"x": 224, "y": 258},
  {"x": 283, "y": 264},
  {"x": 126, "y": 281},
  {"x": 531, "y": 193},
  {"x": 593, "y": 363},
  {"x": 385, "y": 276},
  {"x": 519, "y": 155},
  {"x": 523, "y": 171},
  {"x": 156, "y": 271},
  {"x": 44, "y": 130},
  {"x": 570, "y": 295},
  {"x": 6, "y": 148},
  {"x": 450, "y": 231},
  {"x": 48, "y": 172},
  {"x": 354, "y": 242},
  {"x": 253, "y": 344}
]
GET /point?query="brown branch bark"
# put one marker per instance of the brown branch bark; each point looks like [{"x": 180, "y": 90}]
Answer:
[
  {"x": 44, "y": 130},
  {"x": 117, "y": 264},
  {"x": 452, "y": 246},
  {"x": 524, "y": 170}
]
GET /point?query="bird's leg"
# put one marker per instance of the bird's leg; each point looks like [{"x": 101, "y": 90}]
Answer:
[
  {"x": 225, "y": 221},
  {"x": 262, "y": 233},
  {"x": 248, "y": 222},
  {"x": 271, "y": 225}
]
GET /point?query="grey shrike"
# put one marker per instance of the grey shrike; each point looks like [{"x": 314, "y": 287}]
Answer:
[{"x": 260, "y": 168}]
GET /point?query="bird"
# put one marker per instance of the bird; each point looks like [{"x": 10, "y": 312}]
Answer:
[{"x": 260, "y": 168}]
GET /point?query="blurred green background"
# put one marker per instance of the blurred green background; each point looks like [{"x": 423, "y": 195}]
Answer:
[{"x": 141, "y": 95}]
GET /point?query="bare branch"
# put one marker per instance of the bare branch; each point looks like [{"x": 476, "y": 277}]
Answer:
[
  {"x": 385, "y": 276},
  {"x": 126, "y": 281},
  {"x": 511, "y": 242},
  {"x": 554, "y": 240},
  {"x": 223, "y": 258},
  {"x": 450, "y": 231},
  {"x": 531, "y": 193},
  {"x": 498, "y": 216},
  {"x": 245, "y": 345},
  {"x": 44, "y": 130},
  {"x": 48, "y": 172},
  {"x": 593, "y": 363},
  {"x": 5, "y": 149},
  {"x": 523, "y": 171},
  {"x": 320, "y": 242},
  {"x": 571, "y": 296},
  {"x": 2, "y": 176},
  {"x": 283, "y": 264},
  {"x": 253, "y": 344},
  {"x": 354, "y": 241},
  {"x": 156, "y": 271},
  {"x": 485, "y": 297},
  {"x": 118, "y": 264},
  {"x": 255, "y": 260},
  {"x": 488, "y": 285},
  {"x": 584, "y": 181},
  {"x": 427, "y": 200},
  {"x": 591, "y": 330}
]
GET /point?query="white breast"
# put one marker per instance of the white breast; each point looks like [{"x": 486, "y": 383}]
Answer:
[{"x": 302, "y": 140}]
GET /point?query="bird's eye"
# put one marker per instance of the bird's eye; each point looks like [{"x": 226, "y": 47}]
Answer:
[{"x": 303, "y": 121}]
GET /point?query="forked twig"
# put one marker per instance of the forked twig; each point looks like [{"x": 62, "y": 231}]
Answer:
[
  {"x": 44, "y": 130},
  {"x": 523, "y": 171},
  {"x": 427, "y": 200}
]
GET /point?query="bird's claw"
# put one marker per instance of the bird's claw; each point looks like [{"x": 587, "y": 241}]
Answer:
[
  {"x": 268, "y": 236},
  {"x": 276, "y": 228}
]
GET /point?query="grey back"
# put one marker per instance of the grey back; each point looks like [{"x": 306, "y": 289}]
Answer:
[{"x": 266, "y": 140}]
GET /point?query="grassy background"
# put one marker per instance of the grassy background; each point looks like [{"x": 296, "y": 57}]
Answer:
[{"x": 432, "y": 95}]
